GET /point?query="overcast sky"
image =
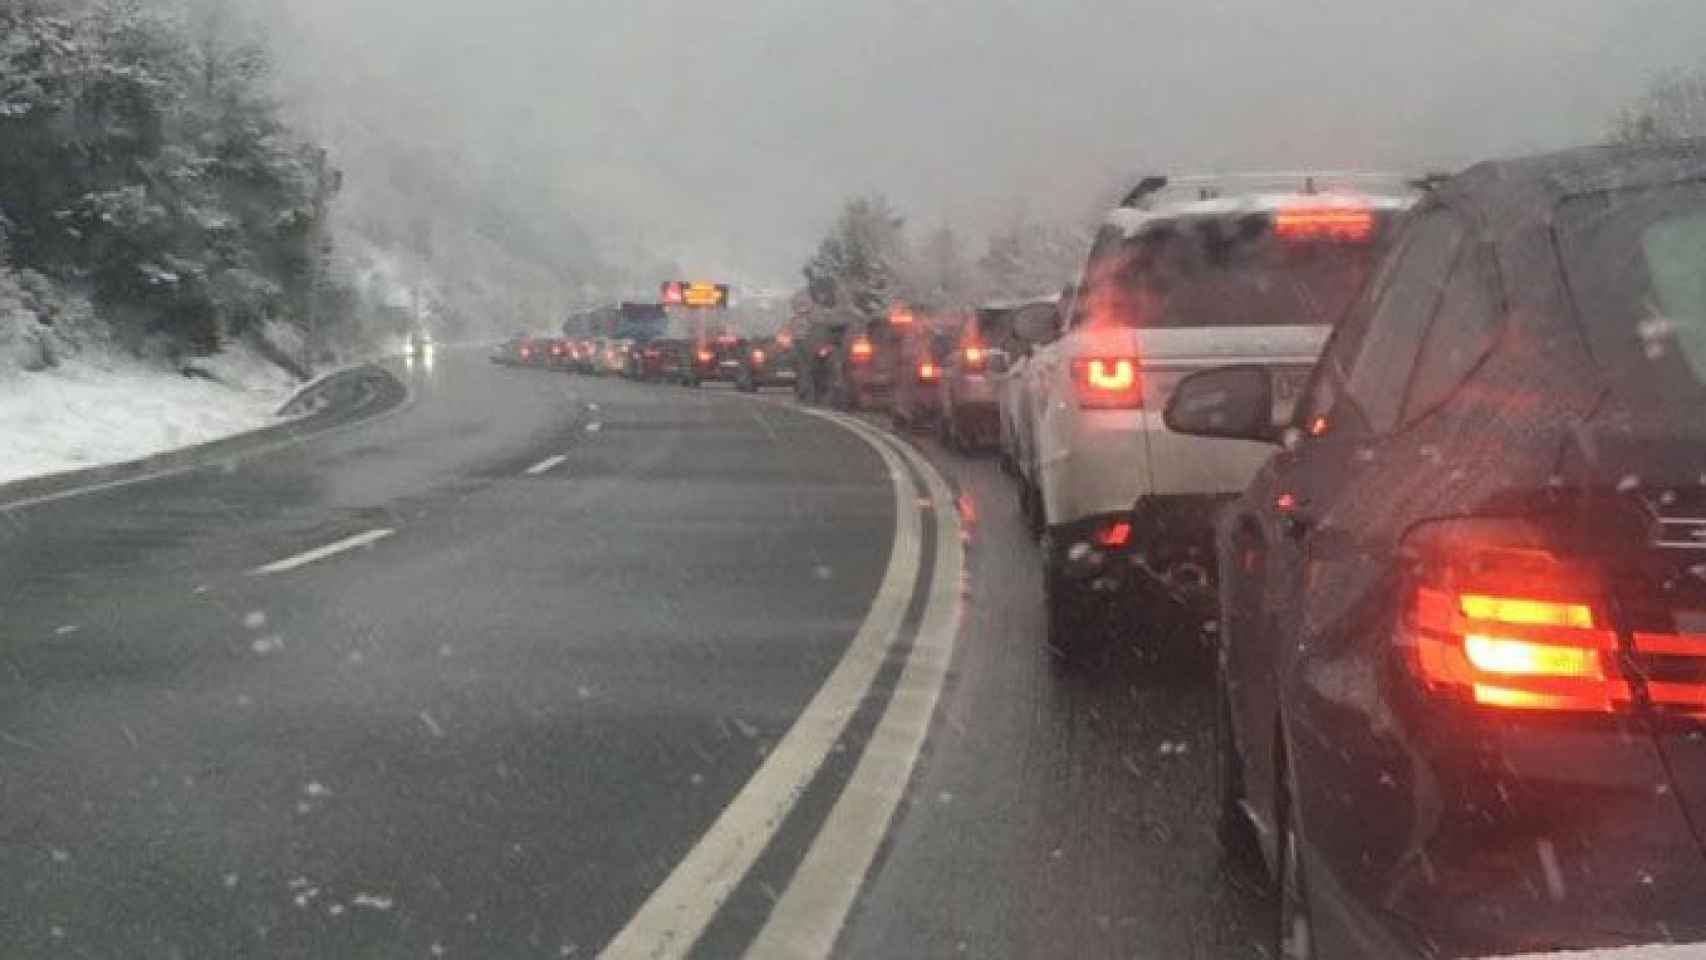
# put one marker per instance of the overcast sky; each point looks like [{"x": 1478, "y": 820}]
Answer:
[{"x": 724, "y": 133}]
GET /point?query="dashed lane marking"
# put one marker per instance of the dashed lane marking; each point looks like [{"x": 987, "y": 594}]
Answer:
[
  {"x": 548, "y": 463},
  {"x": 321, "y": 553}
]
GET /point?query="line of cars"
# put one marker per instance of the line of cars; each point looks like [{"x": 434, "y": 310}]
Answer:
[
  {"x": 1435, "y": 460},
  {"x": 749, "y": 364}
]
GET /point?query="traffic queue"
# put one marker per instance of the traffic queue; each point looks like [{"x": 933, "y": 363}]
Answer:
[{"x": 1424, "y": 457}]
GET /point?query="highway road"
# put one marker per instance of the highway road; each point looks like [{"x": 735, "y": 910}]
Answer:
[{"x": 540, "y": 665}]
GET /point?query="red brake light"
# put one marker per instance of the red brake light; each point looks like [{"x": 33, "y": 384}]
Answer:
[
  {"x": 928, "y": 372},
  {"x": 1116, "y": 534},
  {"x": 861, "y": 349},
  {"x": 784, "y": 341},
  {"x": 976, "y": 358},
  {"x": 1108, "y": 383},
  {"x": 1346, "y": 224},
  {"x": 758, "y": 356},
  {"x": 706, "y": 356},
  {"x": 1497, "y": 620},
  {"x": 525, "y": 353},
  {"x": 901, "y": 316}
]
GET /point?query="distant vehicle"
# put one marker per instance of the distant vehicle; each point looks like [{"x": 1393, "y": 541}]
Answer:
[
  {"x": 863, "y": 368},
  {"x": 814, "y": 355},
  {"x": 975, "y": 368},
  {"x": 659, "y": 361},
  {"x": 1462, "y": 668},
  {"x": 614, "y": 359},
  {"x": 767, "y": 362},
  {"x": 917, "y": 397},
  {"x": 519, "y": 350},
  {"x": 420, "y": 343},
  {"x": 1032, "y": 328},
  {"x": 556, "y": 353},
  {"x": 1181, "y": 277},
  {"x": 718, "y": 359}
]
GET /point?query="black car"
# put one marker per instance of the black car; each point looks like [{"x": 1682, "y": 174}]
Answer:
[
  {"x": 1462, "y": 640},
  {"x": 767, "y": 362}
]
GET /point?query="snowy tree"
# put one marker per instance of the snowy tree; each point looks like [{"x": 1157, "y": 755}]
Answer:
[
  {"x": 145, "y": 163},
  {"x": 862, "y": 258},
  {"x": 941, "y": 277},
  {"x": 1028, "y": 259},
  {"x": 1673, "y": 107}
]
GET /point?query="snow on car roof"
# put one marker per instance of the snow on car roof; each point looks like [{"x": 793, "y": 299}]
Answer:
[{"x": 1132, "y": 221}]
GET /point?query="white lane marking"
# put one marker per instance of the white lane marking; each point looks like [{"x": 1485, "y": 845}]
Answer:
[
  {"x": 807, "y": 919},
  {"x": 321, "y": 553},
  {"x": 676, "y": 914},
  {"x": 545, "y": 464}
]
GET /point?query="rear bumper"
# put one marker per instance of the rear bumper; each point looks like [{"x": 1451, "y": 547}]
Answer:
[
  {"x": 1170, "y": 545},
  {"x": 782, "y": 377},
  {"x": 1496, "y": 838}
]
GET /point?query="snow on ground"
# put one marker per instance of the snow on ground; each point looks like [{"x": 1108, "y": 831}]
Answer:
[
  {"x": 1686, "y": 951},
  {"x": 94, "y": 409}
]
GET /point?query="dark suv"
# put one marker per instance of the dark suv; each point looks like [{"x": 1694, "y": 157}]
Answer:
[{"x": 1463, "y": 609}]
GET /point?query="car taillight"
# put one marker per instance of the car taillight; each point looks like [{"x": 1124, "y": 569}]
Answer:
[
  {"x": 525, "y": 353},
  {"x": 1107, "y": 383},
  {"x": 1496, "y": 619},
  {"x": 860, "y": 350},
  {"x": 1114, "y": 534},
  {"x": 784, "y": 341},
  {"x": 928, "y": 372},
  {"x": 706, "y": 356},
  {"x": 976, "y": 358},
  {"x": 758, "y": 358},
  {"x": 1340, "y": 223}
]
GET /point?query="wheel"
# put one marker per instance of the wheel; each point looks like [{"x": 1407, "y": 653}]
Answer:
[
  {"x": 1031, "y": 506},
  {"x": 1237, "y": 835},
  {"x": 1294, "y": 934},
  {"x": 1067, "y": 610}
]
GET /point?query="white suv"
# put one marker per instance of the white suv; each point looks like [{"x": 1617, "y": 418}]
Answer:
[{"x": 1184, "y": 275}]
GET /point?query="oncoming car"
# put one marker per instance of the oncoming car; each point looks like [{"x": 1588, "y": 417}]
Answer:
[{"x": 1462, "y": 678}]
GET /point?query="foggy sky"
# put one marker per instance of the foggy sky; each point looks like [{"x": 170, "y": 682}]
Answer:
[{"x": 724, "y": 133}]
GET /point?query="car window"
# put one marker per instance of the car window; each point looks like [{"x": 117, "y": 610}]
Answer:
[
  {"x": 1108, "y": 239},
  {"x": 1461, "y": 333},
  {"x": 1399, "y": 320},
  {"x": 1328, "y": 378},
  {"x": 1242, "y": 269},
  {"x": 1636, "y": 261}
]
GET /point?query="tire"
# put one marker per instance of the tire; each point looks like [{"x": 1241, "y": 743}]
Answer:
[
  {"x": 1031, "y": 507},
  {"x": 1294, "y": 928},
  {"x": 1239, "y": 845},
  {"x": 1067, "y": 610}
]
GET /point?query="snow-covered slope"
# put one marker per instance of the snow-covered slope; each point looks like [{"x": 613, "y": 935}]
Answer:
[{"x": 93, "y": 410}]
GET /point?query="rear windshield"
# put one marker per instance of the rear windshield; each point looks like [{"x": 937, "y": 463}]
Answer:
[
  {"x": 994, "y": 325},
  {"x": 1637, "y": 266},
  {"x": 1232, "y": 271}
]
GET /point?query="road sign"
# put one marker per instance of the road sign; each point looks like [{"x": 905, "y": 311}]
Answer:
[{"x": 695, "y": 293}]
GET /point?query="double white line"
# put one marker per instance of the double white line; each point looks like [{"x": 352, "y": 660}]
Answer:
[{"x": 815, "y": 904}]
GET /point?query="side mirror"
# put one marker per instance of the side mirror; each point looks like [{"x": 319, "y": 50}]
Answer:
[{"x": 1235, "y": 402}]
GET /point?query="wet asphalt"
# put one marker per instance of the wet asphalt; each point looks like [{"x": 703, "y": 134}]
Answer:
[{"x": 494, "y": 731}]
